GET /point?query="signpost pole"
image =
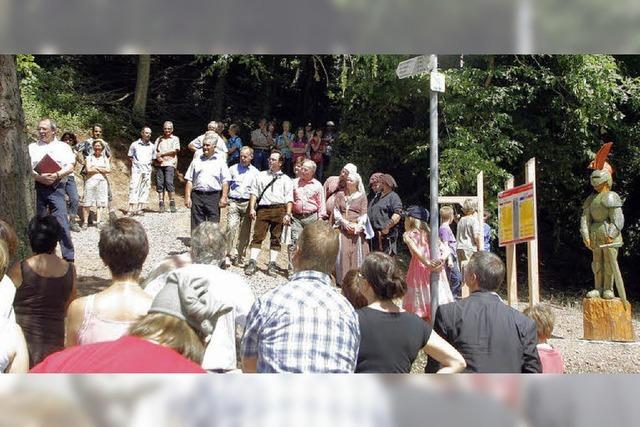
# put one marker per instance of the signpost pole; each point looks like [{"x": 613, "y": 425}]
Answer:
[
  {"x": 433, "y": 187},
  {"x": 512, "y": 276},
  {"x": 532, "y": 245}
]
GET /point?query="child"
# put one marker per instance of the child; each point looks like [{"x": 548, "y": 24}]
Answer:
[
  {"x": 550, "y": 358},
  {"x": 447, "y": 237},
  {"x": 418, "y": 298}
]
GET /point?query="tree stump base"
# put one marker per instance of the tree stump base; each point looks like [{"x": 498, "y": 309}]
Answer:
[{"x": 607, "y": 320}]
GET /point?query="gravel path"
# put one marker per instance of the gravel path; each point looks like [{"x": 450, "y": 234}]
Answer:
[{"x": 168, "y": 235}]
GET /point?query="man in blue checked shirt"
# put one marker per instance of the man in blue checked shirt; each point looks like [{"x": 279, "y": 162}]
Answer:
[{"x": 305, "y": 325}]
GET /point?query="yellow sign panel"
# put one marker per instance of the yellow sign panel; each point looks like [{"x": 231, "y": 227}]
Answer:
[{"x": 516, "y": 215}]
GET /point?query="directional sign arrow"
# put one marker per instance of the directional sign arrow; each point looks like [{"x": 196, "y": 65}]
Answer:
[{"x": 414, "y": 66}]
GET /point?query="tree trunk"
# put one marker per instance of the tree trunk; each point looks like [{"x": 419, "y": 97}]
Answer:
[
  {"x": 17, "y": 195},
  {"x": 218, "y": 95},
  {"x": 142, "y": 89}
]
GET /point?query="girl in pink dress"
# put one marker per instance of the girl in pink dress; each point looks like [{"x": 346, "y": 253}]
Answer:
[{"x": 418, "y": 297}]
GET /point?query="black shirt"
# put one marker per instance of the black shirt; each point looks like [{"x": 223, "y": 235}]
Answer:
[
  {"x": 382, "y": 208},
  {"x": 390, "y": 342}
]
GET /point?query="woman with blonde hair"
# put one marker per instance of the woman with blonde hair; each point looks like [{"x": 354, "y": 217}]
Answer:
[{"x": 418, "y": 297}]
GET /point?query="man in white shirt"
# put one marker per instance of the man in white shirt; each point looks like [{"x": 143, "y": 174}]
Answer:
[
  {"x": 270, "y": 206},
  {"x": 141, "y": 154},
  {"x": 238, "y": 220},
  {"x": 207, "y": 177},
  {"x": 167, "y": 148},
  {"x": 220, "y": 144},
  {"x": 50, "y": 186}
]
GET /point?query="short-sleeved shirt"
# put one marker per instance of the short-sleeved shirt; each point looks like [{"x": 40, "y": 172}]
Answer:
[
  {"x": 59, "y": 151},
  {"x": 164, "y": 145},
  {"x": 259, "y": 139},
  {"x": 208, "y": 173},
  {"x": 305, "y": 325},
  {"x": 283, "y": 146},
  {"x": 308, "y": 197},
  {"x": 468, "y": 228},
  {"x": 236, "y": 142},
  {"x": 221, "y": 146},
  {"x": 447, "y": 237},
  {"x": 241, "y": 181},
  {"x": 390, "y": 342},
  {"x": 382, "y": 208},
  {"x": 142, "y": 154},
  {"x": 278, "y": 193},
  {"x": 100, "y": 162}
]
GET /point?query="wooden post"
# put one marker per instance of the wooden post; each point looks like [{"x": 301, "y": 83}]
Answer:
[
  {"x": 532, "y": 245},
  {"x": 512, "y": 269},
  {"x": 480, "y": 193}
]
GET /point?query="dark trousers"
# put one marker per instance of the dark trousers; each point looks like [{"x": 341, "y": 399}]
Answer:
[
  {"x": 261, "y": 159},
  {"x": 386, "y": 244},
  {"x": 72, "y": 191},
  {"x": 454, "y": 276},
  {"x": 50, "y": 200},
  {"x": 268, "y": 218},
  {"x": 164, "y": 179},
  {"x": 205, "y": 206}
]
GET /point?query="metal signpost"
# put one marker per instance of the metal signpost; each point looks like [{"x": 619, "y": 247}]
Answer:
[{"x": 409, "y": 68}]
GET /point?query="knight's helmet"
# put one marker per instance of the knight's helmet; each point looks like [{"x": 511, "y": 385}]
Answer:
[
  {"x": 599, "y": 177},
  {"x": 602, "y": 170}
]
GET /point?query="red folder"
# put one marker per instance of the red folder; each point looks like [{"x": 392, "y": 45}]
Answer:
[{"x": 47, "y": 165}]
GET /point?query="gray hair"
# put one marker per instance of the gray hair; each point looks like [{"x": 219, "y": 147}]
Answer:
[
  {"x": 247, "y": 148},
  {"x": 469, "y": 206},
  {"x": 310, "y": 164},
  {"x": 52, "y": 125},
  {"x": 208, "y": 243},
  {"x": 210, "y": 135},
  {"x": 168, "y": 123},
  {"x": 488, "y": 269}
]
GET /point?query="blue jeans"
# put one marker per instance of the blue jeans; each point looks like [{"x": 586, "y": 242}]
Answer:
[
  {"x": 72, "y": 191},
  {"x": 50, "y": 199},
  {"x": 261, "y": 159}
]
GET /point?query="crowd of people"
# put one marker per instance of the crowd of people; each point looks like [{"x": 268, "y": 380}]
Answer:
[{"x": 345, "y": 306}]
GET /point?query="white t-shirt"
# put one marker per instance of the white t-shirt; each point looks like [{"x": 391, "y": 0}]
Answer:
[
  {"x": 7, "y": 294},
  {"x": 57, "y": 150},
  {"x": 142, "y": 155}
]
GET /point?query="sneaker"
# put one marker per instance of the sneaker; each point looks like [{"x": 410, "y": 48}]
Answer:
[
  {"x": 112, "y": 216},
  {"x": 162, "y": 207},
  {"x": 251, "y": 268},
  {"x": 84, "y": 226},
  {"x": 238, "y": 262},
  {"x": 74, "y": 227},
  {"x": 172, "y": 206},
  {"x": 272, "y": 269}
]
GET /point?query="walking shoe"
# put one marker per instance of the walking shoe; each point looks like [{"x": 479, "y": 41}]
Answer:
[
  {"x": 84, "y": 226},
  {"x": 271, "y": 269},
  {"x": 238, "y": 262},
  {"x": 74, "y": 227},
  {"x": 172, "y": 206},
  {"x": 251, "y": 268},
  {"x": 162, "y": 206},
  {"x": 112, "y": 216}
]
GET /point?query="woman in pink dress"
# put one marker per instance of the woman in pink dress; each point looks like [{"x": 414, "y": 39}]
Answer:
[{"x": 418, "y": 297}]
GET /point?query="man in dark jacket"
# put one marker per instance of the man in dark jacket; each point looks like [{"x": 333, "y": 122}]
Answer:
[{"x": 491, "y": 336}]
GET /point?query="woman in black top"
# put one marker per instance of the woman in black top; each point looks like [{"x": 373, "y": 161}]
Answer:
[
  {"x": 385, "y": 212},
  {"x": 390, "y": 338}
]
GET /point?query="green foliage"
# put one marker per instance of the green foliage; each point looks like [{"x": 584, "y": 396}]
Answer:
[{"x": 62, "y": 93}]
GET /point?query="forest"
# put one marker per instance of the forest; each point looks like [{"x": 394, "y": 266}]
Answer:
[{"x": 496, "y": 113}]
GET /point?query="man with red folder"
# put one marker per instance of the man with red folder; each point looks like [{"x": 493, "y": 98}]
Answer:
[{"x": 52, "y": 161}]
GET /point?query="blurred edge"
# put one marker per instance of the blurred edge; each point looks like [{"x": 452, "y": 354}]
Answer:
[
  {"x": 336, "y": 400},
  {"x": 319, "y": 26}
]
